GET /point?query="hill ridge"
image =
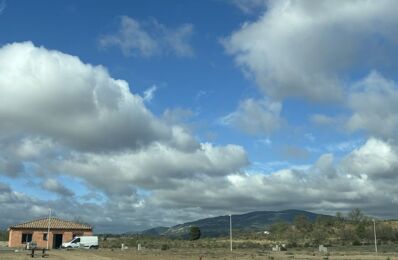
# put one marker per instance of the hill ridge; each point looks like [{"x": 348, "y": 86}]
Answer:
[{"x": 219, "y": 225}]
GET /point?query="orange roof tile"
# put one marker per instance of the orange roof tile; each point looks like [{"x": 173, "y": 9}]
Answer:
[{"x": 55, "y": 223}]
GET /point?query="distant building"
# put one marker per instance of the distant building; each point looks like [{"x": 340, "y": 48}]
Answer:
[{"x": 36, "y": 231}]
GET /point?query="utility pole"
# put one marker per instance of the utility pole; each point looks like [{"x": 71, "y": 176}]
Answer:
[
  {"x": 374, "y": 231},
  {"x": 230, "y": 230},
  {"x": 48, "y": 229}
]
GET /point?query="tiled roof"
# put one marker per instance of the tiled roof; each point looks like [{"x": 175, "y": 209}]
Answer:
[{"x": 55, "y": 223}]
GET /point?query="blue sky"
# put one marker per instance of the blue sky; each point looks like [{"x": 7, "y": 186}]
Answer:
[{"x": 196, "y": 108}]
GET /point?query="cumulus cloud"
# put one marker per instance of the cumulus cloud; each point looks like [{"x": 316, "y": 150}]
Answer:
[
  {"x": 51, "y": 94},
  {"x": 255, "y": 117},
  {"x": 62, "y": 117},
  {"x": 375, "y": 159},
  {"x": 149, "y": 38},
  {"x": 177, "y": 115},
  {"x": 371, "y": 105},
  {"x": 157, "y": 167},
  {"x": 374, "y": 105},
  {"x": 326, "y": 186},
  {"x": 55, "y": 186},
  {"x": 13, "y": 203},
  {"x": 307, "y": 48},
  {"x": 71, "y": 105}
]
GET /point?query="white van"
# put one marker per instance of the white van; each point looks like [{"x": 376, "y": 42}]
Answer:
[{"x": 82, "y": 242}]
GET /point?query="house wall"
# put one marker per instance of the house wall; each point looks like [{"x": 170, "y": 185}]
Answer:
[{"x": 15, "y": 236}]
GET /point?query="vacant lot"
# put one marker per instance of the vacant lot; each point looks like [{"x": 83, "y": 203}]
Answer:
[{"x": 104, "y": 254}]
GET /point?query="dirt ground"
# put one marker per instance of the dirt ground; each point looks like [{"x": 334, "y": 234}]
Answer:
[{"x": 105, "y": 254}]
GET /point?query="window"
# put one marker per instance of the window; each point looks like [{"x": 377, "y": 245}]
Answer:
[
  {"x": 26, "y": 237},
  {"x": 44, "y": 236},
  {"x": 77, "y": 240}
]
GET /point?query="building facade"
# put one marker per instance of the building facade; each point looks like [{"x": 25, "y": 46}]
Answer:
[{"x": 36, "y": 231}]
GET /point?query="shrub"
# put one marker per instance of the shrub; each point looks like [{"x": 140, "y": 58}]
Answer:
[
  {"x": 194, "y": 233},
  {"x": 165, "y": 247}
]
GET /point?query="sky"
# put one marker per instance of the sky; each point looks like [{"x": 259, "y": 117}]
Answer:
[{"x": 136, "y": 114}]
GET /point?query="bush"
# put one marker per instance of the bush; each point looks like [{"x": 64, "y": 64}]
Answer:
[
  {"x": 3, "y": 235},
  {"x": 194, "y": 233},
  {"x": 165, "y": 247}
]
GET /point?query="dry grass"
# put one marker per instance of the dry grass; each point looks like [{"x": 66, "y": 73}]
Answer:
[{"x": 107, "y": 254}]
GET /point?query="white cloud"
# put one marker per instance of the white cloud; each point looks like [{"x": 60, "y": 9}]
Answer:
[
  {"x": 78, "y": 121},
  {"x": 323, "y": 120},
  {"x": 374, "y": 104},
  {"x": 255, "y": 117},
  {"x": 150, "y": 93},
  {"x": 54, "y": 95},
  {"x": 307, "y": 48},
  {"x": 177, "y": 115},
  {"x": 344, "y": 146},
  {"x": 375, "y": 159},
  {"x": 327, "y": 186},
  {"x": 91, "y": 113},
  {"x": 150, "y": 38},
  {"x": 157, "y": 167},
  {"x": 61, "y": 117},
  {"x": 3, "y": 5},
  {"x": 250, "y": 6}
]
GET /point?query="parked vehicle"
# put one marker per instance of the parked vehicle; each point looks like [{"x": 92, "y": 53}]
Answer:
[{"x": 82, "y": 242}]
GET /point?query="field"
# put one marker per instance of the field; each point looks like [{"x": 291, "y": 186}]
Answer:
[{"x": 107, "y": 254}]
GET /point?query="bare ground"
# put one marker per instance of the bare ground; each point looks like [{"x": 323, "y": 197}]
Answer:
[{"x": 107, "y": 254}]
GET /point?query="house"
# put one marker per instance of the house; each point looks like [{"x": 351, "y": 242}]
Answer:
[{"x": 36, "y": 231}]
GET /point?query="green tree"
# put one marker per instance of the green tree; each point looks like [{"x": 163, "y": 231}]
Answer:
[
  {"x": 3, "y": 235},
  {"x": 279, "y": 229},
  {"x": 194, "y": 233},
  {"x": 361, "y": 230},
  {"x": 319, "y": 235},
  {"x": 347, "y": 235},
  {"x": 302, "y": 223},
  {"x": 324, "y": 221},
  {"x": 384, "y": 232}
]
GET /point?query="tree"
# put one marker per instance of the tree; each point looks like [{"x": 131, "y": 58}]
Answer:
[
  {"x": 339, "y": 216},
  {"x": 302, "y": 223},
  {"x": 324, "y": 221},
  {"x": 361, "y": 230},
  {"x": 339, "y": 220},
  {"x": 319, "y": 235},
  {"x": 356, "y": 216},
  {"x": 3, "y": 235},
  {"x": 194, "y": 233}
]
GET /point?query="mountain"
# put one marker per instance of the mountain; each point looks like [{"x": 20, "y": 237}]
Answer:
[
  {"x": 157, "y": 231},
  {"x": 219, "y": 226}
]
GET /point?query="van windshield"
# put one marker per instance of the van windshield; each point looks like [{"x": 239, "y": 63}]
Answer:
[{"x": 76, "y": 240}]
